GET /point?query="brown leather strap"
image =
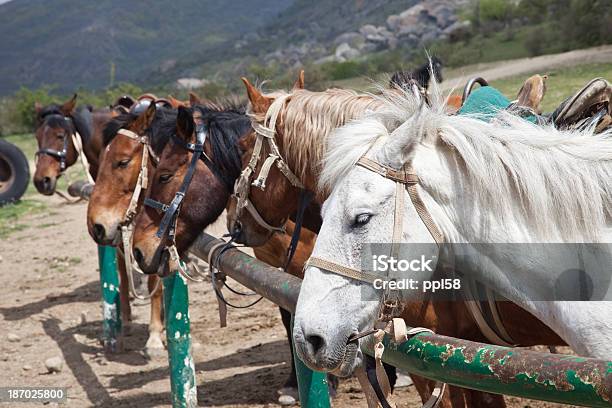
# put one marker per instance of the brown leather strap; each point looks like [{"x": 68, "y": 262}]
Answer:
[
  {"x": 341, "y": 269},
  {"x": 420, "y": 208},
  {"x": 401, "y": 176}
]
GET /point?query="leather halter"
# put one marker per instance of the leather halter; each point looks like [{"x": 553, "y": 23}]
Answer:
[
  {"x": 60, "y": 155},
  {"x": 387, "y": 321},
  {"x": 404, "y": 179},
  {"x": 242, "y": 187}
]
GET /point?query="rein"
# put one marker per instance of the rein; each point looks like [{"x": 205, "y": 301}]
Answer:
[{"x": 387, "y": 321}]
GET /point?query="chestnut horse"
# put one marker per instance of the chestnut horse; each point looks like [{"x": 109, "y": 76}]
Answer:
[
  {"x": 56, "y": 124},
  {"x": 118, "y": 175},
  {"x": 207, "y": 197},
  {"x": 305, "y": 122}
]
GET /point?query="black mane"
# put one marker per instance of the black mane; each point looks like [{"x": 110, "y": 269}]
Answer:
[
  {"x": 226, "y": 124},
  {"x": 162, "y": 127},
  {"x": 420, "y": 75}
]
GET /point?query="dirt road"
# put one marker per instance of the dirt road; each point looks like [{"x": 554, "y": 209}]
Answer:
[{"x": 456, "y": 78}]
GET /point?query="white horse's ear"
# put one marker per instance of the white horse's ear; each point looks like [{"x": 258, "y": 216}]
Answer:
[{"x": 400, "y": 147}]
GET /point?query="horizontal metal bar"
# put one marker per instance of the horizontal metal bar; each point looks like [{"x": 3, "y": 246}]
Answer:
[
  {"x": 81, "y": 189},
  {"x": 484, "y": 367},
  {"x": 271, "y": 283}
]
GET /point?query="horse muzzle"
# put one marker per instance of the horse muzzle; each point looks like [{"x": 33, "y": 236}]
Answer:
[{"x": 45, "y": 185}]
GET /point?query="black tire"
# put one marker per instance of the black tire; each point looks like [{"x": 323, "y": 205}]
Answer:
[{"x": 14, "y": 173}]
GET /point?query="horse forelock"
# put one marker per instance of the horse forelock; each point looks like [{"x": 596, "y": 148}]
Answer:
[{"x": 309, "y": 118}]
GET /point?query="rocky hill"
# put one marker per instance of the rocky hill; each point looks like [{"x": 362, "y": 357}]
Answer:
[{"x": 75, "y": 44}]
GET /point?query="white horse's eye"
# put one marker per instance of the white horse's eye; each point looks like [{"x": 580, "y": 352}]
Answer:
[{"x": 362, "y": 219}]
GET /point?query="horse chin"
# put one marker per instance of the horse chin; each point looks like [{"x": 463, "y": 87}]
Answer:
[
  {"x": 163, "y": 267},
  {"x": 352, "y": 359}
]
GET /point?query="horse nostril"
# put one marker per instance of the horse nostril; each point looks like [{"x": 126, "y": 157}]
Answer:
[
  {"x": 316, "y": 342},
  {"x": 99, "y": 232},
  {"x": 46, "y": 181},
  {"x": 138, "y": 256}
]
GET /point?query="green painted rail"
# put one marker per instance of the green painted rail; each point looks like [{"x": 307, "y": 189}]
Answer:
[
  {"x": 111, "y": 304},
  {"x": 544, "y": 376},
  {"x": 495, "y": 369},
  {"x": 178, "y": 335}
]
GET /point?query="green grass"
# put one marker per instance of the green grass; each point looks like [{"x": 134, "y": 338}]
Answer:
[
  {"x": 561, "y": 83},
  {"x": 11, "y": 215}
]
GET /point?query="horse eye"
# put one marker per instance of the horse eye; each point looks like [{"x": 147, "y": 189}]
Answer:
[
  {"x": 123, "y": 163},
  {"x": 164, "y": 178},
  {"x": 362, "y": 219}
]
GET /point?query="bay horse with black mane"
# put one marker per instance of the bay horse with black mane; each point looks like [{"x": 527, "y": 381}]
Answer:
[
  {"x": 56, "y": 125},
  {"x": 127, "y": 139},
  {"x": 302, "y": 130},
  {"x": 206, "y": 196}
]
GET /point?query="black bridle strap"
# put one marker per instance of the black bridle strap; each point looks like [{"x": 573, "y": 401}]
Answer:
[
  {"x": 304, "y": 200},
  {"x": 60, "y": 155},
  {"x": 171, "y": 210}
]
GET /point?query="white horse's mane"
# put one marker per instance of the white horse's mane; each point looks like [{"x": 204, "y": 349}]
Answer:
[{"x": 563, "y": 179}]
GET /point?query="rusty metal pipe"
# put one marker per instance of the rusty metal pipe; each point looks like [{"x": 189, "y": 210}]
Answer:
[{"x": 271, "y": 283}]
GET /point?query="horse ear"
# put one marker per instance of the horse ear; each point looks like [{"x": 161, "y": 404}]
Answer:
[
  {"x": 175, "y": 103},
  {"x": 259, "y": 102},
  {"x": 68, "y": 107},
  {"x": 299, "y": 82},
  {"x": 38, "y": 108},
  {"x": 194, "y": 99},
  {"x": 184, "y": 124},
  {"x": 400, "y": 147},
  {"x": 149, "y": 115}
]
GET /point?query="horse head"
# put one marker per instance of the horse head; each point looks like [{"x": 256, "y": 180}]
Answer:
[{"x": 56, "y": 151}]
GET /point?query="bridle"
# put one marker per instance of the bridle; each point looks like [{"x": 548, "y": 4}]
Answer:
[
  {"x": 62, "y": 155},
  {"x": 126, "y": 225},
  {"x": 167, "y": 226},
  {"x": 387, "y": 321},
  {"x": 242, "y": 187}
]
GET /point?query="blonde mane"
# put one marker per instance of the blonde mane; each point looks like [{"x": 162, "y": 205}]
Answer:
[
  {"x": 308, "y": 118},
  {"x": 561, "y": 179}
]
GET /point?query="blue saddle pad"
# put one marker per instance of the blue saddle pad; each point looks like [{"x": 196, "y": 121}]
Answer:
[{"x": 485, "y": 102}]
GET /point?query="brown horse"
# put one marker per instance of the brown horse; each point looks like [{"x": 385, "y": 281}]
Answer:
[
  {"x": 206, "y": 197},
  {"x": 56, "y": 125},
  {"x": 305, "y": 121},
  {"x": 118, "y": 175}
]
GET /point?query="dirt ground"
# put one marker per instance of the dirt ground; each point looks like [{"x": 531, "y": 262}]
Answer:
[{"x": 50, "y": 299}]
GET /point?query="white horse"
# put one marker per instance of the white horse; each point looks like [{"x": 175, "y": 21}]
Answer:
[{"x": 503, "y": 182}]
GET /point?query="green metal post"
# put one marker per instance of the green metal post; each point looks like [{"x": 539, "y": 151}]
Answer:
[
  {"x": 182, "y": 370},
  {"x": 312, "y": 385},
  {"x": 111, "y": 305},
  {"x": 544, "y": 376}
]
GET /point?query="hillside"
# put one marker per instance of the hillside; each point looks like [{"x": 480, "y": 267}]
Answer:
[{"x": 72, "y": 43}]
